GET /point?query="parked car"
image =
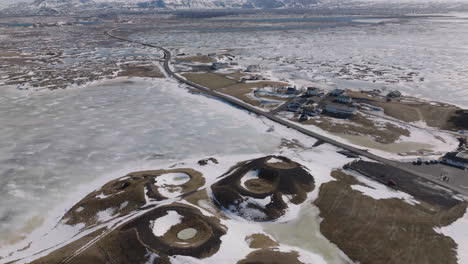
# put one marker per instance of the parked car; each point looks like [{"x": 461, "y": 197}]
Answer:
[
  {"x": 304, "y": 117},
  {"x": 391, "y": 183}
]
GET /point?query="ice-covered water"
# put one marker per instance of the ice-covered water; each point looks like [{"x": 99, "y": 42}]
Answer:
[
  {"x": 304, "y": 232},
  {"x": 51, "y": 143},
  {"x": 430, "y": 52}
]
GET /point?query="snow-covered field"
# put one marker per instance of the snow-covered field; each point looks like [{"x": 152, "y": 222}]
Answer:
[{"x": 424, "y": 57}]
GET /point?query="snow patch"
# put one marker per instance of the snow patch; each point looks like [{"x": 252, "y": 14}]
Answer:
[
  {"x": 161, "y": 225},
  {"x": 105, "y": 215},
  {"x": 274, "y": 160},
  {"x": 379, "y": 191},
  {"x": 123, "y": 205},
  {"x": 250, "y": 175},
  {"x": 172, "y": 179},
  {"x": 458, "y": 231}
]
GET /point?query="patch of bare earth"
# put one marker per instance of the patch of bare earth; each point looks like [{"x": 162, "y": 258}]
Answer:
[
  {"x": 384, "y": 231},
  {"x": 271, "y": 256},
  {"x": 359, "y": 125},
  {"x": 442, "y": 116},
  {"x": 291, "y": 144},
  {"x": 60, "y": 57},
  {"x": 209, "y": 80},
  {"x": 140, "y": 71},
  {"x": 230, "y": 86},
  {"x": 237, "y": 75},
  {"x": 260, "y": 241}
]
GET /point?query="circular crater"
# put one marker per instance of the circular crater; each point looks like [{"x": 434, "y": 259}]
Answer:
[
  {"x": 173, "y": 183},
  {"x": 116, "y": 198},
  {"x": 174, "y": 178},
  {"x": 261, "y": 189},
  {"x": 259, "y": 186},
  {"x": 121, "y": 185},
  {"x": 191, "y": 232},
  {"x": 281, "y": 163},
  {"x": 178, "y": 230}
]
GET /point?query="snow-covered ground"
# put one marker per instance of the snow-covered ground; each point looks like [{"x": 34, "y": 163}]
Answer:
[
  {"x": 153, "y": 124},
  {"x": 53, "y": 142},
  {"x": 459, "y": 233},
  {"x": 56, "y": 147},
  {"x": 161, "y": 225},
  {"x": 320, "y": 162},
  {"x": 424, "y": 57}
]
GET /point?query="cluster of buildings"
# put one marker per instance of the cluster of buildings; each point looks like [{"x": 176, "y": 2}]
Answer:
[
  {"x": 252, "y": 78},
  {"x": 219, "y": 65},
  {"x": 456, "y": 159},
  {"x": 316, "y": 102},
  {"x": 335, "y": 104},
  {"x": 288, "y": 90}
]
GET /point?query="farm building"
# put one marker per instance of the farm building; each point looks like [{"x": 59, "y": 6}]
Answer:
[
  {"x": 312, "y": 91},
  {"x": 343, "y": 99},
  {"x": 291, "y": 90},
  {"x": 310, "y": 110},
  {"x": 339, "y": 110},
  {"x": 252, "y": 68},
  {"x": 337, "y": 92},
  {"x": 294, "y": 107},
  {"x": 219, "y": 66},
  {"x": 394, "y": 94},
  {"x": 456, "y": 159}
]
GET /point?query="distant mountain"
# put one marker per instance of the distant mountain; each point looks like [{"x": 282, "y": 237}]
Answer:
[
  {"x": 177, "y": 4},
  {"x": 71, "y": 6},
  {"x": 403, "y": 3},
  {"x": 74, "y": 5}
]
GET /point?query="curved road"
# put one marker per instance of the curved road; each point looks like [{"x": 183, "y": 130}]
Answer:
[{"x": 271, "y": 116}]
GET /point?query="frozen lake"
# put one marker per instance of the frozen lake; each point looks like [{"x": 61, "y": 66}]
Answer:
[{"x": 54, "y": 143}]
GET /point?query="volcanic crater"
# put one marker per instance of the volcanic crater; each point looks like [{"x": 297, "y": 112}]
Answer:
[{"x": 261, "y": 189}]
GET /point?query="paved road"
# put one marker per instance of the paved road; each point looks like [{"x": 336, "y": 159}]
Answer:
[{"x": 271, "y": 116}]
